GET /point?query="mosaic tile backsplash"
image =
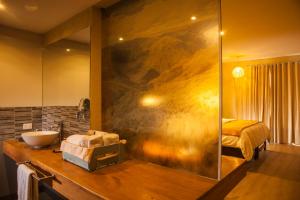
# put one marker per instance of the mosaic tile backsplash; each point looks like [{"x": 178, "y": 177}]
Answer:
[
  {"x": 13, "y": 118},
  {"x": 52, "y": 115},
  {"x": 46, "y": 118}
]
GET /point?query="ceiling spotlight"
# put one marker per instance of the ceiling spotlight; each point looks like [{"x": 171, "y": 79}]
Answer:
[
  {"x": 121, "y": 39},
  {"x": 193, "y": 18},
  {"x": 68, "y": 50},
  {"x": 31, "y": 5}
]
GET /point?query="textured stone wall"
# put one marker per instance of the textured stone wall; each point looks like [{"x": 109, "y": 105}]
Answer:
[{"x": 161, "y": 81}]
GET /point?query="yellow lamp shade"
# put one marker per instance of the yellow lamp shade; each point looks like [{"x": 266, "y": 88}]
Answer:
[{"x": 238, "y": 72}]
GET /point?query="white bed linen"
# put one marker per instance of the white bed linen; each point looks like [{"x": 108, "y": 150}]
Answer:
[{"x": 250, "y": 138}]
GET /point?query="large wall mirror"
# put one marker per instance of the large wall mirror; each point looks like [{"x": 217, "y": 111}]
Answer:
[{"x": 66, "y": 80}]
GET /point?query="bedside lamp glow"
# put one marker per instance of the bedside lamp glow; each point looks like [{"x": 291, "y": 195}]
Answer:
[{"x": 238, "y": 72}]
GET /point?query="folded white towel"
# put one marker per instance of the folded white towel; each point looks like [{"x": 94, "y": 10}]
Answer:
[
  {"x": 77, "y": 139},
  {"x": 78, "y": 151},
  {"x": 27, "y": 186},
  {"x": 87, "y": 141},
  {"x": 110, "y": 138},
  {"x": 99, "y": 138}
]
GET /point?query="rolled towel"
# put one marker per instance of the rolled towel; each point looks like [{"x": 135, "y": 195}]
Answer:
[
  {"x": 94, "y": 132},
  {"x": 87, "y": 141},
  {"x": 100, "y": 133},
  {"x": 27, "y": 186},
  {"x": 93, "y": 141},
  {"x": 110, "y": 138},
  {"x": 91, "y": 132},
  {"x": 78, "y": 140}
]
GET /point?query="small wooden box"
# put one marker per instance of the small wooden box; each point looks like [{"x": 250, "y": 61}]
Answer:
[{"x": 101, "y": 157}]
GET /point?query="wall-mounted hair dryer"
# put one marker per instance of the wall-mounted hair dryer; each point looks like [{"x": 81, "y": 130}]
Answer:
[{"x": 83, "y": 108}]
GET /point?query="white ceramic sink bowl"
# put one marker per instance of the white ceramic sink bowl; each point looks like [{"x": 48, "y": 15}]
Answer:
[{"x": 39, "y": 139}]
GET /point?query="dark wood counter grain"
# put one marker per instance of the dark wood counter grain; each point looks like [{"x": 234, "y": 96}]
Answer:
[{"x": 132, "y": 179}]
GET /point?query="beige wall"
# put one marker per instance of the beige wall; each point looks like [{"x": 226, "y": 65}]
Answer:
[
  {"x": 20, "y": 68},
  {"x": 20, "y": 79},
  {"x": 65, "y": 74},
  {"x": 228, "y": 91},
  {"x": 256, "y": 29},
  {"x": 229, "y": 86}
]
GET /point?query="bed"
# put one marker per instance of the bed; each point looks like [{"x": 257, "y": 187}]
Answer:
[{"x": 244, "y": 138}]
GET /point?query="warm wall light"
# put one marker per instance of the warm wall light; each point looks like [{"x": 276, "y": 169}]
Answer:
[
  {"x": 150, "y": 101},
  {"x": 193, "y": 18},
  {"x": 2, "y": 6},
  {"x": 222, "y": 33},
  {"x": 68, "y": 50},
  {"x": 238, "y": 72},
  {"x": 121, "y": 39}
]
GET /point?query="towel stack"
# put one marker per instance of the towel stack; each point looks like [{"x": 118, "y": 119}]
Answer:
[
  {"x": 99, "y": 138},
  {"x": 82, "y": 146}
]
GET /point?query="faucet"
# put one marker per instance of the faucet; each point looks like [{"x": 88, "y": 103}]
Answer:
[
  {"x": 60, "y": 130},
  {"x": 61, "y": 135}
]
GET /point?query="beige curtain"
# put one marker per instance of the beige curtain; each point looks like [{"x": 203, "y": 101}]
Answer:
[{"x": 271, "y": 93}]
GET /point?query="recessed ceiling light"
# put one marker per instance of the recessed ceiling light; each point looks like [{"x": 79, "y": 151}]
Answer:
[
  {"x": 2, "y": 6},
  {"x": 68, "y": 50},
  {"x": 31, "y": 7},
  {"x": 193, "y": 18},
  {"x": 121, "y": 39}
]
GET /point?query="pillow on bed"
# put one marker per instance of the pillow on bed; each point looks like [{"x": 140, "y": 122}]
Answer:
[{"x": 225, "y": 120}]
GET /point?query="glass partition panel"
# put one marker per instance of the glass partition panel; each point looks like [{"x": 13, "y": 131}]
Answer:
[{"x": 161, "y": 81}]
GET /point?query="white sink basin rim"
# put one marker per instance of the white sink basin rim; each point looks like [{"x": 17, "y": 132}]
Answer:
[{"x": 39, "y": 139}]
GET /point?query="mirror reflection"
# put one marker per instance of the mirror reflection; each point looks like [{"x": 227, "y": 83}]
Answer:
[{"x": 66, "y": 72}]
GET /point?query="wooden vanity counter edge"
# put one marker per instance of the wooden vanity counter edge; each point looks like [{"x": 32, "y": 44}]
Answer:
[
  {"x": 132, "y": 179},
  {"x": 20, "y": 152}
]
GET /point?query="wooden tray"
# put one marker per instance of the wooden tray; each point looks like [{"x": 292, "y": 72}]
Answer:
[{"x": 102, "y": 156}]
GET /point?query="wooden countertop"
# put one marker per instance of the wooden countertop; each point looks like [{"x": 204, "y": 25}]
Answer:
[{"x": 131, "y": 179}]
